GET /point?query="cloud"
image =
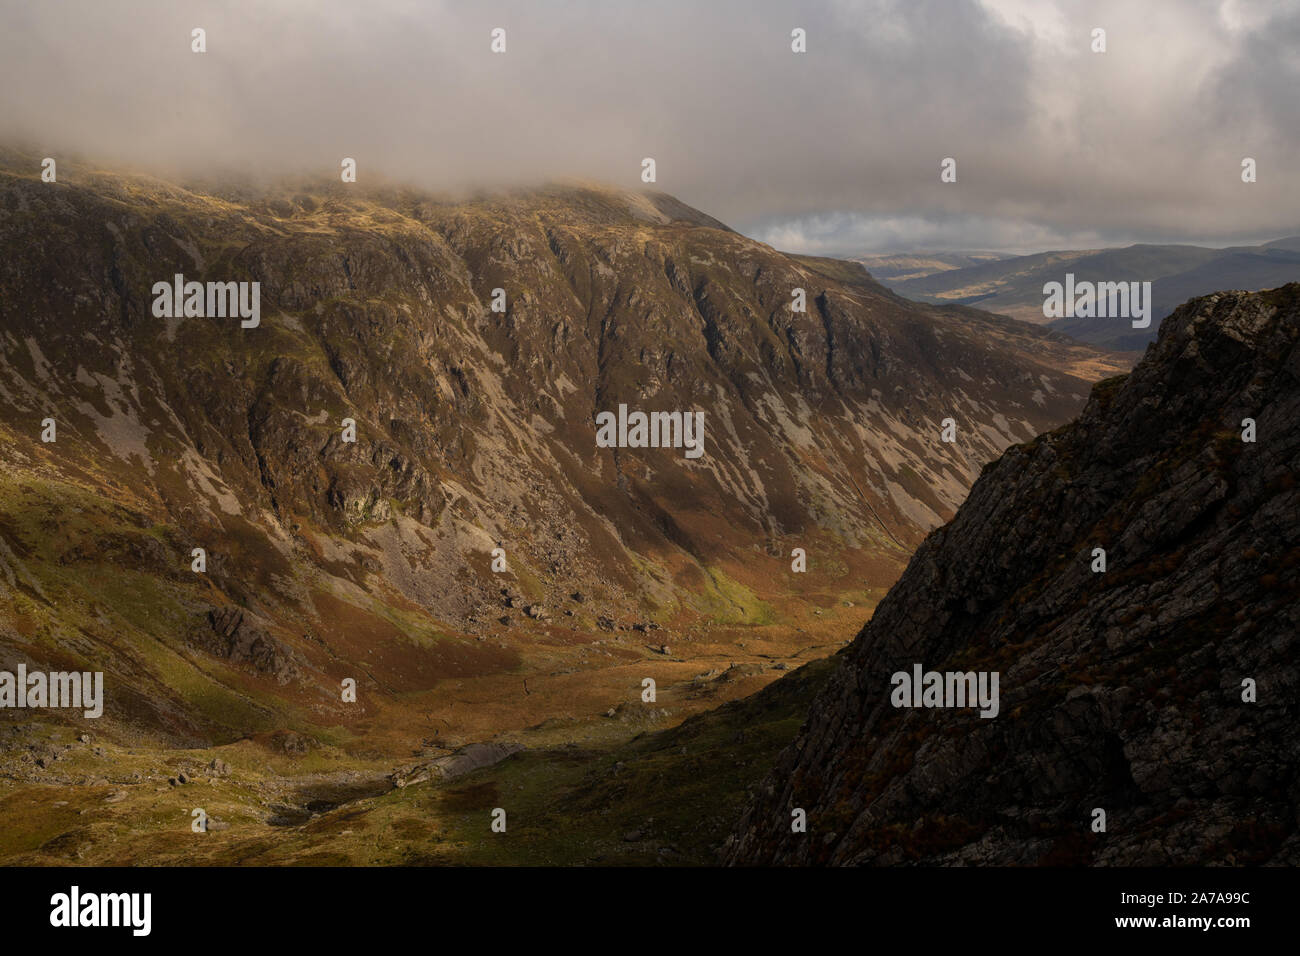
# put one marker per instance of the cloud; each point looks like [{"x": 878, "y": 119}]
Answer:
[
  {"x": 850, "y": 234},
  {"x": 1050, "y": 139}
]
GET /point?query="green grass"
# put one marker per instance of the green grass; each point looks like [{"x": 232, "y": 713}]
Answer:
[
  {"x": 728, "y": 602},
  {"x": 569, "y": 807}
]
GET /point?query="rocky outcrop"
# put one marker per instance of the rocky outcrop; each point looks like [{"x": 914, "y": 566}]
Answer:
[
  {"x": 465, "y": 760},
  {"x": 241, "y": 637},
  {"x": 1126, "y": 691}
]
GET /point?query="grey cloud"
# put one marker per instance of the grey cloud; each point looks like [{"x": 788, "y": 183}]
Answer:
[{"x": 1051, "y": 141}]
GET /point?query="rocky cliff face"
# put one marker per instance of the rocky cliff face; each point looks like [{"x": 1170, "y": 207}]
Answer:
[
  {"x": 475, "y": 429},
  {"x": 1120, "y": 690}
]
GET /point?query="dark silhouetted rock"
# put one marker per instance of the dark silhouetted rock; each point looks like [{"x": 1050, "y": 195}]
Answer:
[{"x": 1119, "y": 690}]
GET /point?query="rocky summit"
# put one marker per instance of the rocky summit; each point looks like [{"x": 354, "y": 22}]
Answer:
[{"x": 1134, "y": 579}]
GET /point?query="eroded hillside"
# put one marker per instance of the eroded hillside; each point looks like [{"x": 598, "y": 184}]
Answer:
[{"x": 328, "y": 560}]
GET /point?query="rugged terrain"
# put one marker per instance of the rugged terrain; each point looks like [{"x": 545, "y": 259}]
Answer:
[
  {"x": 1123, "y": 690},
  {"x": 372, "y": 560}
]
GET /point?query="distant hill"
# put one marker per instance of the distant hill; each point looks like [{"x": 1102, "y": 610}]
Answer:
[
  {"x": 916, "y": 265},
  {"x": 1014, "y": 285}
]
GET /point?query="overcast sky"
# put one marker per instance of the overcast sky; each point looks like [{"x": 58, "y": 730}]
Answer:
[{"x": 836, "y": 150}]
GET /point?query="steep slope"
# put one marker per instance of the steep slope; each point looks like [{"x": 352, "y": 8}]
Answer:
[
  {"x": 1121, "y": 691},
  {"x": 475, "y": 429}
]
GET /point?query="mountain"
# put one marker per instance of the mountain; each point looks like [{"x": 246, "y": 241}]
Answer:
[
  {"x": 325, "y": 560},
  {"x": 1014, "y": 286},
  {"x": 1124, "y": 690},
  {"x": 475, "y": 430}
]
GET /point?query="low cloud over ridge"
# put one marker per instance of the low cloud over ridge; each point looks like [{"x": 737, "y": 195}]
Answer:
[{"x": 835, "y": 150}]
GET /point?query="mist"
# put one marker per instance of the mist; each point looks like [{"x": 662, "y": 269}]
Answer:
[{"x": 836, "y": 150}]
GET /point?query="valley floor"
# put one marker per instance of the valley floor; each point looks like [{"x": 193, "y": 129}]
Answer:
[{"x": 638, "y": 783}]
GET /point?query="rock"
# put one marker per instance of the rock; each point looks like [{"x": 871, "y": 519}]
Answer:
[
  {"x": 465, "y": 760},
  {"x": 1119, "y": 689},
  {"x": 291, "y": 743},
  {"x": 219, "y": 767},
  {"x": 238, "y": 635},
  {"x": 605, "y": 623}
]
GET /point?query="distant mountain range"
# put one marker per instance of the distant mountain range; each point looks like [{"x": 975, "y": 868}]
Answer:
[
  {"x": 893, "y": 269},
  {"x": 1013, "y": 285}
]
